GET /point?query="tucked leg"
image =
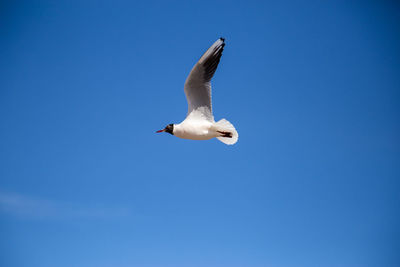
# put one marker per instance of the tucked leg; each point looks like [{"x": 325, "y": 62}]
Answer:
[{"x": 225, "y": 134}]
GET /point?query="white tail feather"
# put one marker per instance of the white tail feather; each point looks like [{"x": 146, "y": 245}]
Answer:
[{"x": 226, "y": 127}]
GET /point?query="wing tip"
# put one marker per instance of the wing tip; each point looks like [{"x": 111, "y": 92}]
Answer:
[{"x": 220, "y": 42}]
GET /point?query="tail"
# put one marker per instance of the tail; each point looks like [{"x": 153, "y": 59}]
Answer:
[{"x": 228, "y": 133}]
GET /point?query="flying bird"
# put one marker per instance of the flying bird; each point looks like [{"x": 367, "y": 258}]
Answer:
[{"x": 199, "y": 123}]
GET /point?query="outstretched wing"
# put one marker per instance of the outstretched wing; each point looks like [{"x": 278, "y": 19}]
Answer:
[{"x": 198, "y": 83}]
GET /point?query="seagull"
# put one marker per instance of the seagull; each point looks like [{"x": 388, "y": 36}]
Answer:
[{"x": 199, "y": 123}]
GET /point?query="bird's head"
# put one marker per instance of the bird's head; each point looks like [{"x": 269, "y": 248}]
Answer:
[{"x": 168, "y": 129}]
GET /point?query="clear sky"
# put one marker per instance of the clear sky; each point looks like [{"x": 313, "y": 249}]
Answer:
[{"x": 313, "y": 88}]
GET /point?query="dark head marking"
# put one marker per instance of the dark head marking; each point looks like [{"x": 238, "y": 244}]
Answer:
[{"x": 170, "y": 129}]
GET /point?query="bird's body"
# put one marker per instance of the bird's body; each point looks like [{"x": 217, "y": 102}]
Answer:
[
  {"x": 199, "y": 123},
  {"x": 195, "y": 130}
]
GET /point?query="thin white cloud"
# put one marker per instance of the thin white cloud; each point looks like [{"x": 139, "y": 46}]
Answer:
[{"x": 31, "y": 207}]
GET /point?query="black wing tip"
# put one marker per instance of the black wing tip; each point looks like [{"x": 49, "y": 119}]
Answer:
[{"x": 222, "y": 39}]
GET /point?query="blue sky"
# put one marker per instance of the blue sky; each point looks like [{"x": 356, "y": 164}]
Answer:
[{"x": 311, "y": 86}]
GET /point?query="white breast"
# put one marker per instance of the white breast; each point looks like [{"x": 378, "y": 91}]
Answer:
[{"x": 195, "y": 130}]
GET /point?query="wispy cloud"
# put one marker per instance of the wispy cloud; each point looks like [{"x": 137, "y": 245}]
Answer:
[{"x": 24, "y": 206}]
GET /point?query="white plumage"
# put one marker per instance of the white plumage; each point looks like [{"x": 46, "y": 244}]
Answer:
[{"x": 199, "y": 123}]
